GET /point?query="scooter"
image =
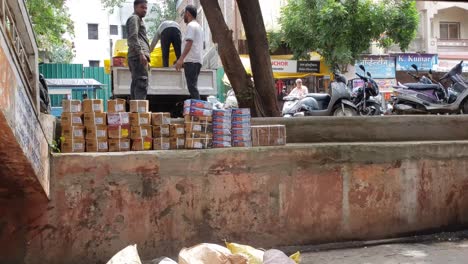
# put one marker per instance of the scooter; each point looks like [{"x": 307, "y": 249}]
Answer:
[
  {"x": 317, "y": 104},
  {"x": 366, "y": 98},
  {"x": 417, "y": 101}
]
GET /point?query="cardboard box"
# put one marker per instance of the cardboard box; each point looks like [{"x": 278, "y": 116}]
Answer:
[
  {"x": 225, "y": 132},
  {"x": 222, "y": 119},
  {"x": 119, "y": 62},
  {"x": 241, "y": 119},
  {"x": 139, "y": 106},
  {"x": 240, "y": 125},
  {"x": 161, "y": 143},
  {"x": 118, "y": 118},
  {"x": 116, "y": 105},
  {"x": 71, "y": 106},
  {"x": 269, "y": 135},
  {"x": 97, "y": 145},
  {"x": 241, "y": 111},
  {"x": 242, "y": 137},
  {"x": 192, "y": 111},
  {"x": 117, "y": 132},
  {"x": 222, "y": 113},
  {"x": 140, "y": 119},
  {"x": 158, "y": 119},
  {"x": 73, "y": 132},
  {"x": 119, "y": 145},
  {"x": 192, "y": 103},
  {"x": 221, "y": 138},
  {"x": 141, "y": 131},
  {"x": 226, "y": 125},
  {"x": 177, "y": 143},
  {"x": 177, "y": 130},
  {"x": 242, "y": 144},
  {"x": 93, "y": 105},
  {"x": 221, "y": 144},
  {"x": 199, "y": 135},
  {"x": 95, "y": 119},
  {"x": 73, "y": 145},
  {"x": 71, "y": 119},
  {"x": 198, "y": 143},
  {"x": 141, "y": 144},
  {"x": 201, "y": 127},
  {"x": 96, "y": 132},
  {"x": 241, "y": 131},
  {"x": 161, "y": 131},
  {"x": 195, "y": 119}
]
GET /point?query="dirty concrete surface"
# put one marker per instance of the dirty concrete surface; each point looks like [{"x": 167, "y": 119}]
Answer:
[{"x": 438, "y": 250}]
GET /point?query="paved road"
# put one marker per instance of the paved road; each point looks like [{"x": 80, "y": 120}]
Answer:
[{"x": 418, "y": 253}]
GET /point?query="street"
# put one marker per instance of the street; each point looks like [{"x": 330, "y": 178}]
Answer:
[{"x": 415, "y": 253}]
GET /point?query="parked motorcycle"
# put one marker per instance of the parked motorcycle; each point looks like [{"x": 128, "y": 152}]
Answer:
[
  {"x": 424, "y": 98},
  {"x": 320, "y": 104},
  {"x": 366, "y": 98}
]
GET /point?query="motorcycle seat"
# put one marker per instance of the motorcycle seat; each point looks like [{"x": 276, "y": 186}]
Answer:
[
  {"x": 319, "y": 96},
  {"x": 421, "y": 86}
]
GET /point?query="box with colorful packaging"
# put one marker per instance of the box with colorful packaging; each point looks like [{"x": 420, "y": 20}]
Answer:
[
  {"x": 197, "y": 112},
  {"x": 140, "y": 144},
  {"x": 93, "y": 105},
  {"x": 119, "y": 145},
  {"x": 97, "y": 145},
  {"x": 269, "y": 135},
  {"x": 192, "y": 103},
  {"x": 222, "y": 128},
  {"x": 241, "y": 127},
  {"x": 161, "y": 143},
  {"x": 116, "y": 105},
  {"x": 160, "y": 119},
  {"x": 139, "y": 106},
  {"x": 95, "y": 119},
  {"x": 71, "y": 106}
]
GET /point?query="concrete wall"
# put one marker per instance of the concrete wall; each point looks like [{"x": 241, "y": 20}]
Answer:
[{"x": 265, "y": 197}]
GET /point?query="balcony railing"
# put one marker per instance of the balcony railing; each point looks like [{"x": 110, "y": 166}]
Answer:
[{"x": 452, "y": 43}]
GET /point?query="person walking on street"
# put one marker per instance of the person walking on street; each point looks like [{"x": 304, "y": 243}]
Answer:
[
  {"x": 191, "y": 58},
  {"x": 138, "y": 51},
  {"x": 169, "y": 33}
]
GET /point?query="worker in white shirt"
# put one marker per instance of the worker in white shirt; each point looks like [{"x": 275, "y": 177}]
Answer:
[
  {"x": 300, "y": 90},
  {"x": 169, "y": 33}
]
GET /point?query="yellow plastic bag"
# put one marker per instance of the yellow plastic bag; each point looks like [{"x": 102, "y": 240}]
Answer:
[
  {"x": 296, "y": 257},
  {"x": 121, "y": 50},
  {"x": 255, "y": 256}
]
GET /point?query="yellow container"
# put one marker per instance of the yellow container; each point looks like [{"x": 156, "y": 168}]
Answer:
[{"x": 121, "y": 50}]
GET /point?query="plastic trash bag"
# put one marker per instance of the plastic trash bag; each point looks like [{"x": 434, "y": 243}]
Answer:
[
  {"x": 210, "y": 253},
  {"x": 167, "y": 261},
  {"x": 296, "y": 257},
  {"x": 274, "y": 256},
  {"x": 255, "y": 256},
  {"x": 128, "y": 255}
]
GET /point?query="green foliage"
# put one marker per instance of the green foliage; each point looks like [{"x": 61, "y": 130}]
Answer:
[
  {"x": 62, "y": 54},
  {"x": 166, "y": 10},
  {"x": 342, "y": 30},
  {"x": 50, "y": 21},
  {"x": 111, "y": 4}
]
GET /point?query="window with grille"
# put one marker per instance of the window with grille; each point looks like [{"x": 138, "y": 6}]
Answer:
[
  {"x": 93, "y": 63},
  {"x": 114, "y": 30},
  {"x": 449, "y": 30},
  {"x": 93, "y": 31},
  {"x": 124, "y": 32}
]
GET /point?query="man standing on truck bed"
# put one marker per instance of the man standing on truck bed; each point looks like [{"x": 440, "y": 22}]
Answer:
[
  {"x": 191, "y": 58},
  {"x": 138, "y": 51},
  {"x": 169, "y": 33}
]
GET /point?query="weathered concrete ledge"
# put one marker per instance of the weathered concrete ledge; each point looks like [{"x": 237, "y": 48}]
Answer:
[{"x": 297, "y": 194}]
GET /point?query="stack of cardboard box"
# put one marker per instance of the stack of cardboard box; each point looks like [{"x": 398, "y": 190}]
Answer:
[
  {"x": 73, "y": 133},
  {"x": 118, "y": 126},
  {"x": 161, "y": 130},
  {"x": 140, "y": 121},
  {"x": 222, "y": 128},
  {"x": 198, "y": 124},
  {"x": 241, "y": 128},
  {"x": 96, "y": 126},
  {"x": 269, "y": 135}
]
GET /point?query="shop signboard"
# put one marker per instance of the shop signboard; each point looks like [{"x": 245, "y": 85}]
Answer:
[
  {"x": 284, "y": 65},
  {"x": 425, "y": 62},
  {"x": 385, "y": 85},
  {"x": 447, "y": 65},
  {"x": 290, "y": 66},
  {"x": 308, "y": 66},
  {"x": 378, "y": 66}
]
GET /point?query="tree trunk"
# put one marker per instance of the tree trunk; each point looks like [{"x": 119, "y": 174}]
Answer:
[
  {"x": 259, "y": 53},
  {"x": 235, "y": 71}
]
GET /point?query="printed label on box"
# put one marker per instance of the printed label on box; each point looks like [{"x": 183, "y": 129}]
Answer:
[
  {"x": 96, "y": 107},
  {"x": 124, "y": 132},
  {"x": 197, "y": 145},
  {"x": 165, "y": 146},
  {"x": 101, "y": 133},
  {"x": 124, "y": 145},
  {"x": 142, "y": 109},
  {"x": 197, "y": 128},
  {"x": 180, "y": 142},
  {"x": 102, "y": 145},
  {"x": 76, "y": 120},
  {"x": 119, "y": 107},
  {"x": 143, "y": 121},
  {"x": 180, "y": 131},
  {"x": 75, "y": 108},
  {"x": 77, "y": 146},
  {"x": 147, "y": 145},
  {"x": 144, "y": 132},
  {"x": 78, "y": 133},
  {"x": 99, "y": 120},
  {"x": 165, "y": 130},
  {"x": 125, "y": 120}
]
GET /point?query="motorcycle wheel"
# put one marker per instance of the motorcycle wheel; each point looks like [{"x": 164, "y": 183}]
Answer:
[
  {"x": 344, "y": 111},
  {"x": 371, "y": 110},
  {"x": 464, "y": 107}
]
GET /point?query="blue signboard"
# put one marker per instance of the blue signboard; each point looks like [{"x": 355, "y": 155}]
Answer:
[
  {"x": 379, "y": 66},
  {"x": 425, "y": 62}
]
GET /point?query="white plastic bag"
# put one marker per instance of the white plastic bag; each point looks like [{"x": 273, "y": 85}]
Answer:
[
  {"x": 209, "y": 253},
  {"x": 128, "y": 255},
  {"x": 274, "y": 256},
  {"x": 167, "y": 261}
]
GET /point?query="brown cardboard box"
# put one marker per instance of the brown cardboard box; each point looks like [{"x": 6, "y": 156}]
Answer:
[
  {"x": 177, "y": 143},
  {"x": 118, "y": 145},
  {"x": 95, "y": 119},
  {"x": 71, "y": 106},
  {"x": 140, "y": 144},
  {"x": 198, "y": 127},
  {"x": 93, "y": 105},
  {"x": 116, "y": 105},
  {"x": 139, "y": 106},
  {"x": 161, "y": 143},
  {"x": 198, "y": 143},
  {"x": 160, "y": 119},
  {"x": 269, "y": 135},
  {"x": 161, "y": 131},
  {"x": 196, "y": 119},
  {"x": 140, "y": 119},
  {"x": 118, "y": 118},
  {"x": 141, "y": 131},
  {"x": 177, "y": 130},
  {"x": 199, "y": 135},
  {"x": 117, "y": 132},
  {"x": 97, "y": 145},
  {"x": 73, "y": 145},
  {"x": 73, "y": 132},
  {"x": 96, "y": 132},
  {"x": 72, "y": 119}
]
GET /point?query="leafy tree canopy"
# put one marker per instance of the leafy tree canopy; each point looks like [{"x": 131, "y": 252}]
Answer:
[{"x": 342, "y": 30}]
